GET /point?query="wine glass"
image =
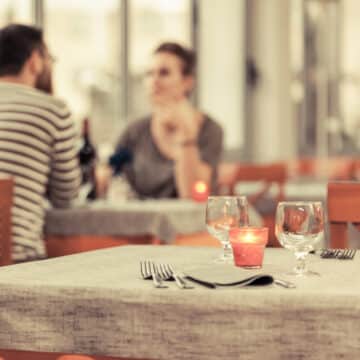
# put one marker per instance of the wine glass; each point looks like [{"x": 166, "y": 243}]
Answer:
[
  {"x": 299, "y": 226},
  {"x": 222, "y": 214}
]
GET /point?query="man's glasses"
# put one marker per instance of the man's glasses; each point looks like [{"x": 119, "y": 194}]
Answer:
[
  {"x": 47, "y": 55},
  {"x": 52, "y": 59}
]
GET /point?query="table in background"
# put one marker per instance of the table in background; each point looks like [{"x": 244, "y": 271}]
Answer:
[
  {"x": 306, "y": 189},
  {"x": 104, "y": 224},
  {"x": 96, "y": 303},
  {"x": 302, "y": 189}
]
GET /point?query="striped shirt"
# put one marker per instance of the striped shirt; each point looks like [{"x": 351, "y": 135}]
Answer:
[{"x": 38, "y": 149}]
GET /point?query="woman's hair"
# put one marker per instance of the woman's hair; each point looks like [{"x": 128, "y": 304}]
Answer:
[{"x": 187, "y": 56}]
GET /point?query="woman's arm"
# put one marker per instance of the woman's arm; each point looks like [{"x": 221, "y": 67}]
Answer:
[
  {"x": 190, "y": 168},
  {"x": 191, "y": 140},
  {"x": 198, "y": 155}
]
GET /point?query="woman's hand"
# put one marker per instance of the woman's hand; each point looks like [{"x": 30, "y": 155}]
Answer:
[
  {"x": 180, "y": 122},
  {"x": 103, "y": 175}
]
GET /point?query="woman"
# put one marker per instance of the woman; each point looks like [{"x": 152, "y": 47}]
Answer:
[{"x": 177, "y": 144}]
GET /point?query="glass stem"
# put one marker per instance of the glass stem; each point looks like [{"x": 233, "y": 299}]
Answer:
[
  {"x": 227, "y": 251},
  {"x": 300, "y": 267}
]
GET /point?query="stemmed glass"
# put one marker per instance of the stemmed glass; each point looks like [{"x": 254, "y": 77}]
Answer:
[
  {"x": 299, "y": 226},
  {"x": 222, "y": 214}
]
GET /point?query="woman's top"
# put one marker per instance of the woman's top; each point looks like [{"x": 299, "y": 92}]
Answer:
[{"x": 149, "y": 172}]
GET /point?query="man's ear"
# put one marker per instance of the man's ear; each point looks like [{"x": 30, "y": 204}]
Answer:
[{"x": 35, "y": 63}]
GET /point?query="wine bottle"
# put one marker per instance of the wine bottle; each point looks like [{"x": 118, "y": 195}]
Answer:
[{"x": 87, "y": 159}]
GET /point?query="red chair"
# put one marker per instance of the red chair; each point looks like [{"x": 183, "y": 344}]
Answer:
[
  {"x": 343, "y": 204},
  {"x": 332, "y": 168},
  {"x": 6, "y": 201},
  {"x": 232, "y": 174}
]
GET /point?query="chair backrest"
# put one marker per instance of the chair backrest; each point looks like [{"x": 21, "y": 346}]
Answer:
[
  {"x": 343, "y": 204},
  {"x": 332, "y": 168},
  {"x": 230, "y": 174},
  {"x": 6, "y": 201}
]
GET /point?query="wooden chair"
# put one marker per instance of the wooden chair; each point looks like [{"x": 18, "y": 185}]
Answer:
[
  {"x": 343, "y": 204},
  {"x": 332, "y": 168},
  {"x": 232, "y": 174},
  {"x": 6, "y": 200}
]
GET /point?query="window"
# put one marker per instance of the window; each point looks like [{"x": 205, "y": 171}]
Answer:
[
  {"x": 350, "y": 77},
  {"x": 152, "y": 22},
  {"x": 85, "y": 37},
  {"x": 19, "y": 11},
  {"x": 103, "y": 49}
]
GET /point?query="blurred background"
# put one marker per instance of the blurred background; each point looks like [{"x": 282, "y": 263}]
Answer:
[{"x": 281, "y": 76}]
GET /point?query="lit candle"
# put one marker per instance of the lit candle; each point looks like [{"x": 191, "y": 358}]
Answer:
[
  {"x": 200, "y": 191},
  {"x": 248, "y": 245}
]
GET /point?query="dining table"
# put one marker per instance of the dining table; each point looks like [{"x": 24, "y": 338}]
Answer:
[
  {"x": 97, "y": 303},
  {"x": 105, "y": 223}
]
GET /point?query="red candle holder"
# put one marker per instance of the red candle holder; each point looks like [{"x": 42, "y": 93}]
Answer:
[
  {"x": 248, "y": 244},
  {"x": 200, "y": 191}
]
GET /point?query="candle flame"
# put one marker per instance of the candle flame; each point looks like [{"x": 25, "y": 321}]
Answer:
[
  {"x": 200, "y": 187},
  {"x": 249, "y": 237}
]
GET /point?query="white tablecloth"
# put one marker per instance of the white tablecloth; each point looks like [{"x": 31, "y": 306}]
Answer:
[
  {"x": 294, "y": 189},
  {"x": 96, "y": 303},
  {"x": 163, "y": 219},
  {"x": 307, "y": 190}
]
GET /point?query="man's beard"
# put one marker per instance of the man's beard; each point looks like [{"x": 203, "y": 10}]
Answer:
[{"x": 44, "y": 82}]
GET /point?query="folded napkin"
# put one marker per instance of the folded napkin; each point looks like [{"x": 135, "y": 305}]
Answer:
[{"x": 224, "y": 275}]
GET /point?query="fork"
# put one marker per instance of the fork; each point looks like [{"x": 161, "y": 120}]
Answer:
[
  {"x": 343, "y": 254},
  {"x": 145, "y": 270},
  {"x": 149, "y": 271},
  {"x": 347, "y": 254},
  {"x": 167, "y": 272}
]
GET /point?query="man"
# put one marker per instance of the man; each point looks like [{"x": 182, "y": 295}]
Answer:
[{"x": 37, "y": 138}]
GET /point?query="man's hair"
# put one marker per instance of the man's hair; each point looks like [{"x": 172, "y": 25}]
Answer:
[{"x": 17, "y": 42}]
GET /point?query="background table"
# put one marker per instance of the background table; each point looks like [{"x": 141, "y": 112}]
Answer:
[
  {"x": 104, "y": 224},
  {"x": 163, "y": 219},
  {"x": 306, "y": 189},
  {"x": 301, "y": 189},
  {"x": 96, "y": 303}
]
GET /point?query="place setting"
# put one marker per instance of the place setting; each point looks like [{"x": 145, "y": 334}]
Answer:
[
  {"x": 299, "y": 227},
  {"x": 241, "y": 259}
]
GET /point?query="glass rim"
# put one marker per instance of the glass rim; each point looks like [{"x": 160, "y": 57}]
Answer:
[
  {"x": 250, "y": 227},
  {"x": 227, "y": 197},
  {"x": 300, "y": 202},
  {"x": 263, "y": 232}
]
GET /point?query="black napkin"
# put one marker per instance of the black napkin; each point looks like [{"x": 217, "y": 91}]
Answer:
[{"x": 227, "y": 275}]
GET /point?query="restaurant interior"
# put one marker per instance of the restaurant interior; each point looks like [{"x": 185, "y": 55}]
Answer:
[{"x": 282, "y": 80}]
